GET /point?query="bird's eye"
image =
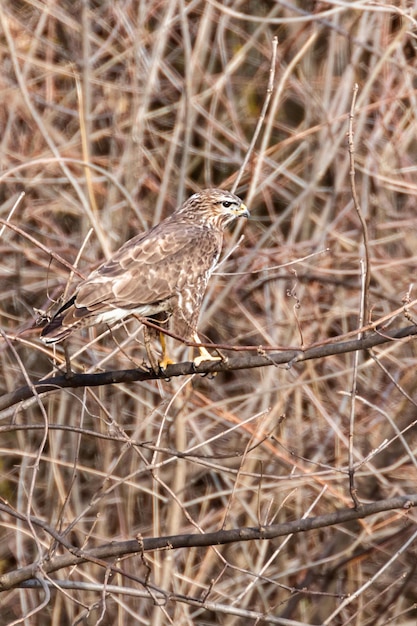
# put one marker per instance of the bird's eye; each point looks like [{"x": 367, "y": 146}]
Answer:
[{"x": 227, "y": 204}]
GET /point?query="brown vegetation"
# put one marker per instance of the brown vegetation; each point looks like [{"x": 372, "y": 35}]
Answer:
[{"x": 280, "y": 491}]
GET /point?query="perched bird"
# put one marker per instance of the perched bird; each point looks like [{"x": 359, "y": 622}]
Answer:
[{"x": 160, "y": 275}]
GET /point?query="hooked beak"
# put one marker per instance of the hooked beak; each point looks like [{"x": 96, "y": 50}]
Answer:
[{"x": 242, "y": 211}]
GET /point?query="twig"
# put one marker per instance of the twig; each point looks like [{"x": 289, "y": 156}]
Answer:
[
  {"x": 40, "y": 245},
  {"x": 365, "y": 282},
  {"x": 271, "y": 121},
  {"x": 371, "y": 580},
  {"x": 352, "y": 488},
  {"x": 43, "y": 129},
  {"x": 365, "y": 305},
  {"x": 36, "y": 466},
  {"x": 12, "y": 210},
  {"x": 261, "y": 119}
]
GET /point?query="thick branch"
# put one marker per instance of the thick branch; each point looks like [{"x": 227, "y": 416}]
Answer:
[
  {"x": 118, "y": 549},
  {"x": 243, "y": 360}
]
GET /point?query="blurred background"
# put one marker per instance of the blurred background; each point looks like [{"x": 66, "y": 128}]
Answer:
[{"x": 111, "y": 114}]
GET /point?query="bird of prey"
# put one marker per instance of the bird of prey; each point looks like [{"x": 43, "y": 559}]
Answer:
[{"x": 160, "y": 275}]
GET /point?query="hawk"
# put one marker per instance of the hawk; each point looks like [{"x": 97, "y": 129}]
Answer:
[{"x": 160, "y": 275}]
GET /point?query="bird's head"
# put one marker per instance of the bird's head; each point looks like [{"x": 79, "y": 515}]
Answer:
[{"x": 215, "y": 206}]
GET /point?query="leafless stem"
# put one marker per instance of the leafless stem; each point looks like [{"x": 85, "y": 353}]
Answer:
[{"x": 261, "y": 118}]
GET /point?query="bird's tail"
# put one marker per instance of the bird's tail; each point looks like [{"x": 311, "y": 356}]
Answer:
[{"x": 54, "y": 332}]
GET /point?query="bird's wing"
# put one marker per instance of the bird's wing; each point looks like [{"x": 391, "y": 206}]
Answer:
[{"x": 151, "y": 268}]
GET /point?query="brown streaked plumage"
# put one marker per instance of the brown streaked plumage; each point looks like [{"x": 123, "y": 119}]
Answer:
[{"x": 160, "y": 274}]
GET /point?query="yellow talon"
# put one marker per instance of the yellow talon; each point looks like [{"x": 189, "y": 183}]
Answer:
[
  {"x": 165, "y": 361},
  {"x": 204, "y": 354}
]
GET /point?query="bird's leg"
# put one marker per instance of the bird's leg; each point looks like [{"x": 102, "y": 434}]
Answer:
[
  {"x": 69, "y": 373},
  {"x": 165, "y": 361},
  {"x": 204, "y": 354},
  {"x": 148, "y": 348}
]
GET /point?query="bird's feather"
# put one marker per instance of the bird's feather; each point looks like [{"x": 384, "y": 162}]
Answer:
[{"x": 164, "y": 270}]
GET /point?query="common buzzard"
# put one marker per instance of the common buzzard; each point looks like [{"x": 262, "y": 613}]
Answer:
[{"x": 161, "y": 274}]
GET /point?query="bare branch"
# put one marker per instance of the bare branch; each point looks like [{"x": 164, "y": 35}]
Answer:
[
  {"x": 118, "y": 549},
  {"x": 243, "y": 361}
]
